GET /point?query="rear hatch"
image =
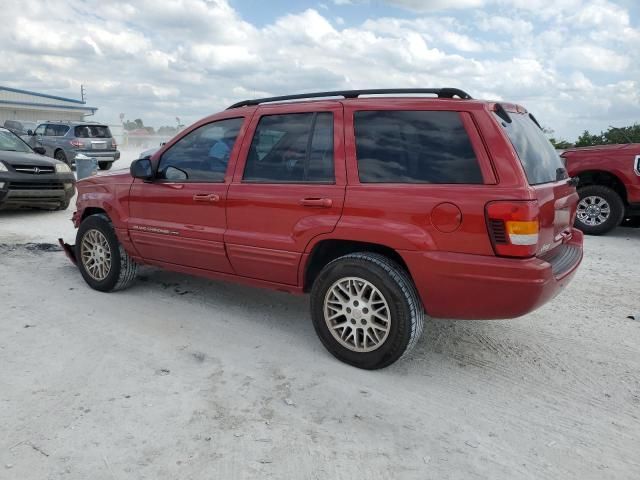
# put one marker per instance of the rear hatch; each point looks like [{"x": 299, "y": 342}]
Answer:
[
  {"x": 95, "y": 137},
  {"x": 557, "y": 198}
]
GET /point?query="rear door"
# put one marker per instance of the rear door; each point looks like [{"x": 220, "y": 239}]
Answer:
[
  {"x": 547, "y": 177},
  {"x": 288, "y": 187},
  {"x": 94, "y": 137}
]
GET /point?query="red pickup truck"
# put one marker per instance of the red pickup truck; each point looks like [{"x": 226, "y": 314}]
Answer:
[
  {"x": 609, "y": 185},
  {"x": 382, "y": 208}
]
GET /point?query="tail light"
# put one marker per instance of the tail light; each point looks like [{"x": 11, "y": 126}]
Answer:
[
  {"x": 513, "y": 227},
  {"x": 113, "y": 143},
  {"x": 76, "y": 143}
]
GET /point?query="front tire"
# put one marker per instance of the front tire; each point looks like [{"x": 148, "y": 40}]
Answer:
[
  {"x": 600, "y": 210},
  {"x": 64, "y": 205},
  {"x": 366, "y": 310},
  {"x": 103, "y": 262},
  {"x": 105, "y": 165},
  {"x": 59, "y": 155}
]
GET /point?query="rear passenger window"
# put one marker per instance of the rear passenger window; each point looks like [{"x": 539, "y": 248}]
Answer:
[
  {"x": 292, "y": 148},
  {"x": 414, "y": 147}
]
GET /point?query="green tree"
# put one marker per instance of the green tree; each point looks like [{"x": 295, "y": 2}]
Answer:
[
  {"x": 587, "y": 139},
  {"x": 559, "y": 144}
]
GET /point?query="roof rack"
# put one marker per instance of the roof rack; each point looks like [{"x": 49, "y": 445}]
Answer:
[{"x": 440, "y": 92}]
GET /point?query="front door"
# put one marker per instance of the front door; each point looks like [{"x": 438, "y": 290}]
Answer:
[
  {"x": 288, "y": 188},
  {"x": 179, "y": 218}
]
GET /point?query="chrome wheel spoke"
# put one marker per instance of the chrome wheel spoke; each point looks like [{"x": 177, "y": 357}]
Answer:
[
  {"x": 357, "y": 314},
  {"x": 95, "y": 254}
]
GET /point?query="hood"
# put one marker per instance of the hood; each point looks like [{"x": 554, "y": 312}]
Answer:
[
  {"x": 609, "y": 147},
  {"x": 116, "y": 176},
  {"x": 30, "y": 158},
  {"x": 149, "y": 153}
]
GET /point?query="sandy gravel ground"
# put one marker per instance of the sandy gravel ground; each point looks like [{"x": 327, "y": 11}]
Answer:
[{"x": 185, "y": 378}]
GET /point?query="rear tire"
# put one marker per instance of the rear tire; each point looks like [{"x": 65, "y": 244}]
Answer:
[
  {"x": 104, "y": 165},
  {"x": 600, "y": 210},
  {"x": 102, "y": 260},
  {"x": 350, "y": 300}
]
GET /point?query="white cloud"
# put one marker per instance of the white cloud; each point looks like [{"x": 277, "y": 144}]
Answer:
[
  {"x": 592, "y": 57},
  {"x": 431, "y": 5},
  {"x": 574, "y": 67}
]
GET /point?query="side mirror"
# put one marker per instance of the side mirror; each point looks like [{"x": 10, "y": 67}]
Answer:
[
  {"x": 142, "y": 168},
  {"x": 39, "y": 150},
  {"x": 30, "y": 132}
]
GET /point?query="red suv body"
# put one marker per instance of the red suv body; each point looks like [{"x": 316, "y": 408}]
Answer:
[
  {"x": 609, "y": 185},
  {"x": 350, "y": 199}
]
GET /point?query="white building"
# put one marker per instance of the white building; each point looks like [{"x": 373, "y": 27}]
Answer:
[{"x": 25, "y": 105}]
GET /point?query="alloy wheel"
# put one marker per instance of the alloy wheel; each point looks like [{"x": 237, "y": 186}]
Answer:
[
  {"x": 96, "y": 254},
  {"x": 593, "y": 210},
  {"x": 357, "y": 314}
]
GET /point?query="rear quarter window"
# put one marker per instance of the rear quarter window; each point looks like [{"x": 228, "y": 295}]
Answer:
[
  {"x": 540, "y": 160},
  {"x": 414, "y": 147}
]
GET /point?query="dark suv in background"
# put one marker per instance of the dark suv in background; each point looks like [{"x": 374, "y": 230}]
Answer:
[
  {"x": 21, "y": 128},
  {"x": 64, "y": 140}
]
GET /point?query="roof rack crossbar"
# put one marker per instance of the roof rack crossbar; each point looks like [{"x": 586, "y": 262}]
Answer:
[{"x": 440, "y": 92}]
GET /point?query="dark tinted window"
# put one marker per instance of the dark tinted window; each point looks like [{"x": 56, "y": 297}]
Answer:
[
  {"x": 92, "y": 131},
  {"x": 537, "y": 155},
  {"x": 414, "y": 147},
  {"x": 11, "y": 143},
  {"x": 296, "y": 147},
  {"x": 60, "y": 130},
  {"x": 202, "y": 154}
]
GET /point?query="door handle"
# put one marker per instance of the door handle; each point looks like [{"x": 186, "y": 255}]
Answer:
[
  {"x": 316, "y": 202},
  {"x": 206, "y": 197}
]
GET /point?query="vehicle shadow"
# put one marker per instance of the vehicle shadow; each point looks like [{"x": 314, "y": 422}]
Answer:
[{"x": 456, "y": 343}]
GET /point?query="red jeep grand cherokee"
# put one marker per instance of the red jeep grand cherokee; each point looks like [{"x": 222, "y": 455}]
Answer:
[{"x": 382, "y": 208}]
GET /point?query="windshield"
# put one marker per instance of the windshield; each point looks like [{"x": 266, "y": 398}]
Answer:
[
  {"x": 537, "y": 155},
  {"x": 11, "y": 143},
  {"x": 92, "y": 131}
]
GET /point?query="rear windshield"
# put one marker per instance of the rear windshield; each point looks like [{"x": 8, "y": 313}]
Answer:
[
  {"x": 538, "y": 157},
  {"x": 92, "y": 131}
]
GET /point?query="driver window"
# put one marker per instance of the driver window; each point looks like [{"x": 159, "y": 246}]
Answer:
[
  {"x": 201, "y": 155},
  {"x": 40, "y": 130}
]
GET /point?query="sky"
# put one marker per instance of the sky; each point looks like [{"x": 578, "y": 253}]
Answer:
[{"x": 575, "y": 64}]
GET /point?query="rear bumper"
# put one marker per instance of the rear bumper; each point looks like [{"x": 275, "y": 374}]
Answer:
[
  {"x": 462, "y": 286},
  {"x": 100, "y": 155}
]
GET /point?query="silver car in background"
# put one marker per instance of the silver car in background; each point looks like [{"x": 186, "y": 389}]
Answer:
[{"x": 64, "y": 140}]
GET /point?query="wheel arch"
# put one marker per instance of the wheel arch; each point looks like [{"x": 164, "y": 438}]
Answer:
[
  {"x": 93, "y": 211},
  {"x": 327, "y": 250},
  {"x": 604, "y": 178}
]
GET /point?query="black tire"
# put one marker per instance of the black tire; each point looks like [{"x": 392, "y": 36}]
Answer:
[
  {"x": 405, "y": 309},
  {"x": 59, "y": 155},
  {"x": 104, "y": 165},
  {"x": 122, "y": 271},
  {"x": 64, "y": 205},
  {"x": 616, "y": 209}
]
